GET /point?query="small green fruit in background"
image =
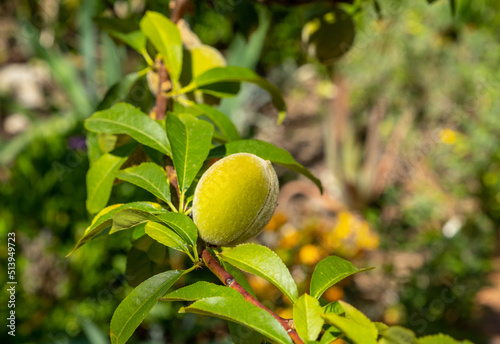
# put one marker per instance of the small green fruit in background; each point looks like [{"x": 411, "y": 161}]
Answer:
[
  {"x": 329, "y": 36},
  {"x": 235, "y": 199}
]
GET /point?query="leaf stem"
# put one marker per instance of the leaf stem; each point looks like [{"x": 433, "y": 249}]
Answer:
[{"x": 229, "y": 281}]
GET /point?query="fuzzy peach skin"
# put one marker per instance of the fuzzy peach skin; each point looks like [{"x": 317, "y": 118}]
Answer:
[{"x": 235, "y": 199}]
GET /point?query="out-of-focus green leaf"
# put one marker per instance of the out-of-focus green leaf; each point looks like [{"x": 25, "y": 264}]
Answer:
[
  {"x": 330, "y": 335},
  {"x": 397, "y": 335},
  {"x": 123, "y": 118},
  {"x": 238, "y": 74},
  {"x": 200, "y": 290},
  {"x": 166, "y": 38},
  {"x": 132, "y": 311},
  {"x": 150, "y": 177},
  {"x": 101, "y": 175},
  {"x": 440, "y": 339},
  {"x": 166, "y": 236},
  {"x": 269, "y": 152},
  {"x": 118, "y": 91},
  {"x": 135, "y": 39},
  {"x": 241, "y": 334},
  {"x": 263, "y": 262},
  {"x": 243, "y": 312},
  {"x": 190, "y": 139},
  {"x": 307, "y": 317},
  {"x": 330, "y": 271}
]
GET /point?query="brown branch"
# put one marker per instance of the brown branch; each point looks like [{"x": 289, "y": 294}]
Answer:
[
  {"x": 180, "y": 7},
  {"x": 229, "y": 281},
  {"x": 160, "y": 109}
]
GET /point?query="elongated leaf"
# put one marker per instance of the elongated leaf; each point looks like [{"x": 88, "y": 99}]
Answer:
[
  {"x": 307, "y": 317},
  {"x": 200, "y": 290},
  {"x": 182, "y": 225},
  {"x": 166, "y": 39},
  {"x": 334, "y": 307},
  {"x": 135, "y": 39},
  {"x": 190, "y": 139},
  {"x": 269, "y": 152},
  {"x": 150, "y": 177},
  {"x": 133, "y": 214},
  {"x": 355, "y": 315},
  {"x": 166, "y": 236},
  {"x": 132, "y": 311},
  {"x": 330, "y": 335},
  {"x": 263, "y": 262},
  {"x": 104, "y": 219},
  {"x": 239, "y": 310},
  {"x": 358, "y": 334},
  {"x": 221, "y": 121},
  {"x": 100, "y": 222},
  {"x": 118, "y": 91},
  {"x": 330, "y": 271},
  {"x": 397, "y": 335},
  {"x": 101, "y": 175},
  {"x": 126, "y": 119},
  {"x": 238, "y": 74}
]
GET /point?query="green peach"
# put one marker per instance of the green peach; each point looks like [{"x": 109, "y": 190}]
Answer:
[{"x": 235, "y": 199}]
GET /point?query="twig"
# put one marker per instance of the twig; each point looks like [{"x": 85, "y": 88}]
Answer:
[
  {"x": 229, "y": 281},
  {"x": 160, "y": 109}
]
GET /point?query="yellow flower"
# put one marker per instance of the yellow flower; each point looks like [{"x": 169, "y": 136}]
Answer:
[
  {"x": 448, "y": 136},
  {"x": 277, "y": 221},
  {"x": 309, "y": 254},
  {"x": 342, "y": 228}
]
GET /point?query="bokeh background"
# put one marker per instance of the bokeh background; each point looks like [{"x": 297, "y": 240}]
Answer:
[{"x": 403, "y": 131}]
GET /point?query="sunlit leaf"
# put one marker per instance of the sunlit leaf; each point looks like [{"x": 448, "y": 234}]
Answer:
[
  {"x": 243, "y": 312},
  {"x": 124, "y": 118},
  {"x": 132, "y": 311},
  {"x": 166, "y": 236},
  {"x": 200, "y": 290},
  {"x": 263, "y": 262},
  {"x": 330, "y": 271},
  {"x": 307, "y": 317},
  {"x": 190, "y": 139}
]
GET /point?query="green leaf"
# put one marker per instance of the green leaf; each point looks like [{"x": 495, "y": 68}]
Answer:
[
  {"x": 135, "y": 39},
  {"x": 334, "y": 307},
  {"x": 165, "y": 36},
  {"x": 200, "y": 290},
  {"x": 221, "y": 121},
  {"x": 307, "y": 317},
  {"x": 397, "y": 335},
  {"x": 182, "y": 225},
  {"x": 118, "y": 91},
  {"x": 354, "y": 331},
  {"x": 330, "y": 335},
  {"x": 100, "y": 222},
  {"x": 190, "y": 139},
  {"x": 268, "y": 151},
  {"x": 150, "y": 177},
  {"x": 133, "y": 214},
  {"x": 132, "y": 311},
  {"x": 166, "y": 236},
  {"x": 238, "y": 74},
  {"x": 126, "y": 119},
  {"x": 440, "y": 339},
  {"x": 355, "y": 315},
  {"x": 101, "y": 175},
  {"x": 329, "y": 271},
  {"x": 263, "y": 262},
  {"x": 239, "y": 310}
]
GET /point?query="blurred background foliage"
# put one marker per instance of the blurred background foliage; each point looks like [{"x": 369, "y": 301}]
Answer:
[{"x": 403, "y": 131}]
